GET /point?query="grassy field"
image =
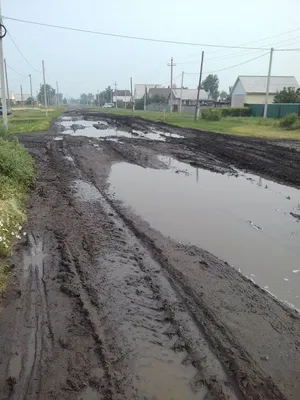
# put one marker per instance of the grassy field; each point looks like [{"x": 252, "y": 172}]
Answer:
[
  {"x": 16, "y": 176},
  {"x": 242, "y": 126},
  {"x": 31, "y": 120}
]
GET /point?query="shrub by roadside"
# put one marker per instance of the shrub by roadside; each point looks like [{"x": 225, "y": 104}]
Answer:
[
  {"x": 235, "y": 112},
  {"x": 16, "y": 176},
  {"x": 289, "y": 121},
  {"x": 211, "y": 114}
]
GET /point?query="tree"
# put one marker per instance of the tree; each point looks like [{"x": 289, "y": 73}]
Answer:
[
  {"x": 64, "y": 100},
  {"x": 157, "y": 99},
  {"x": 211, "y": 85},
  {"x": 50, "y": 94},
  {"x": 29, "y": 101},
  {"x": 83, "y": 98},
  {"x": 224, "y": 96},
  {"x": 288, "y": 95}
]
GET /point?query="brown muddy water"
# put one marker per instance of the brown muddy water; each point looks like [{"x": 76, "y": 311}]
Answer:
[
  {"x": 87, "y": 128},
  {"x": 243, "y": 220}
]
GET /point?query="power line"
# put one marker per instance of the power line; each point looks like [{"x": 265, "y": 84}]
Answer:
[
  {"x": 17, "y": 47},
  {"x": 244, "y": 44},
  {"x": 23, "y": 76},
  {"x": 232, "y": 66},
  {"x": 133, "y": 37}
]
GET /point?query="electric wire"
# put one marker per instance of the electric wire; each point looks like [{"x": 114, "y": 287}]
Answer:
[
  {"x": 133, "y": 37},
  {"x": 17, "y": 47}
]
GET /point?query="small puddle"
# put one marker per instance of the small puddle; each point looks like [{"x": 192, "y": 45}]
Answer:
[
  {"x": 243, "y": 220},
  {"x": 85, "y": 191},
  {"x": 101, "y": 129}
]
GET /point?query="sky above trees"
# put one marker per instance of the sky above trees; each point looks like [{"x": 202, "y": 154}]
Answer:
[{"x": 87, "y": 63}]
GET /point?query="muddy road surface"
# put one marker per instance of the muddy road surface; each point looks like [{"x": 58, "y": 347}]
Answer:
[{"x": 119, "y": 289}]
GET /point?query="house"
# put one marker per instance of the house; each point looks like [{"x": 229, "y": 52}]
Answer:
[
  {"x": 17, "y": 98},
  {"x": 11, "y": 97},
  {"x": 188, "y": 98},
  {"x": 122, "y": 95},
  {"x": 162, "y": 92},
  {"x": 252, "y": 89},
  {"x": 140, "y": 88}
]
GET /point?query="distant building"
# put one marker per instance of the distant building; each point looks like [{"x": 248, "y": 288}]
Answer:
[
  {"x": 188, "y": 97},
  {"x": 139, "y": 89},
  {"x": 252, "y": 89},
  {"x": 122, "y": 95},
  {"x": 162, "y": 92}
]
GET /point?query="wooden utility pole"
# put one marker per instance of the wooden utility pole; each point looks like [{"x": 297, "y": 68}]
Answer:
[
  {"x": 3, "y": 88},
  {"x": 22, "y": 101},
  {"x": 45, "y": 94},
  {"x": 7, "y": 89},
  {"x": 116, "y": 97},
  {"x": 31, "y": 95},
  {"x": 132, "y": 97},
  {"x": 268, "y": 84},
  {"x": 172, "y": 65},
  {"x": 145, "y": 98},
  {"x": 180, "y": 104},
  {"x": 57, "y": 94},
  {"x": 197, "y": 108}
]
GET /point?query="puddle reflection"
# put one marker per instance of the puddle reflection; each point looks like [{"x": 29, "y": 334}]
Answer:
[{"x": 243, "y": 220}]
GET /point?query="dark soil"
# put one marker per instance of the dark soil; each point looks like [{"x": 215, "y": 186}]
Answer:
[{"x": 101, "y": 306}]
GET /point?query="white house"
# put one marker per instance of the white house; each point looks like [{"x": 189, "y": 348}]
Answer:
[
  {"x": 252, "y": 89},
  {"x": 122, "y": 95},
  {"x": 188, "y": 98}
]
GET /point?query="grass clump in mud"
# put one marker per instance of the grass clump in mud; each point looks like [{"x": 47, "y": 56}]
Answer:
[{"x": 17, "y": 174}]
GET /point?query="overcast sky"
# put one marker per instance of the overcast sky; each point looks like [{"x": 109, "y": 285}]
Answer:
[{"x": 85, "y": 62}]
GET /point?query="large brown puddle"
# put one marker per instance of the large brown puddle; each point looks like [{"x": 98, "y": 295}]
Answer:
[{"x": 243, "y": 220}]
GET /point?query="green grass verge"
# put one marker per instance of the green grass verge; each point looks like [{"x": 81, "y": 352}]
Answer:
[
  {"x": 31, "y": 120},
  {"x": 17, "y": 174},
  {"x": 241, "y": 126}
]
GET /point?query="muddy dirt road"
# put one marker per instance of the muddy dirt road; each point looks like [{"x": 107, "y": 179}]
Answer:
[{"x": 112, "y": 298}]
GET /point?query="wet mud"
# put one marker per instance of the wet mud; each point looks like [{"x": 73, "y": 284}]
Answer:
[{"x": 103, "y": 304}]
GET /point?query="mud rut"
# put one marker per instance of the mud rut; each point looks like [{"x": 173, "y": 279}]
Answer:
[{"x": 96, "y": 310}]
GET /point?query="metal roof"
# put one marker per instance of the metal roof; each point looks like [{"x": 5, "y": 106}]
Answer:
[
  {"x": 139, "y": 89},
  {"x": 258, "y": 84},
  {"x": 190, "y": 94},
  {"x": 164, "y": 92}
]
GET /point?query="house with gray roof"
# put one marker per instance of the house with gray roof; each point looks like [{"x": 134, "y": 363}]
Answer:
[
  {"x": 140, "y": 88},
  {"x": 252, "y": 89}
]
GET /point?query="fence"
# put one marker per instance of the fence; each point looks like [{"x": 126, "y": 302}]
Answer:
[
  {"x": 275, "y": 110},
  {"x": 158, "y": 107}
]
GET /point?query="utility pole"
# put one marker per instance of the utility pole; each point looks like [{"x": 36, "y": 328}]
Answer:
[
  {"x": 145, "y": 98},
  {"x": 180, "y": 104},
  {"x": 7, "y": 90},
  {"x": 31, "y": 95},
  {"x": 22, "y": 101},
  {"x": 268, "y": 83},
  {"x": 116, "y": 97},
  {"x": 197, "y": 109},
  {"x": 172, "y": 65},
  {"x": 45, "y": 94},
  {"x": 132, "y": 97},
  {"x": 3, "y": 89},
  {"x": 57, "y": 95}
]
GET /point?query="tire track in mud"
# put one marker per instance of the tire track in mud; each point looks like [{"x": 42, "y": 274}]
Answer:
[
  {"x": 209, "y": 379},
  {"x": 234, "y": 358}
]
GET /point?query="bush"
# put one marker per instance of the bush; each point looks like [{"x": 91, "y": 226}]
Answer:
[
  {"x": 211, "y": 114},
  {"x": 236, "y": 112},
  {"x": 15, "y": 163},
  {"x": 288, "y": 120}
]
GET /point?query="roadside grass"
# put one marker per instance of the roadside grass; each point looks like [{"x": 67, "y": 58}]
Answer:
[
  {"x": 241, "y": 126},
  {"x": 17, "y": 174},
  {"x": 31, "y": 120}
]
